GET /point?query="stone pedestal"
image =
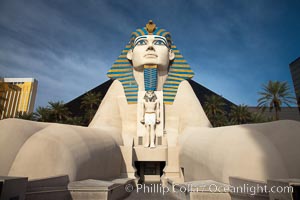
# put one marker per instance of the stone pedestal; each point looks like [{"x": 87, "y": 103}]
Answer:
[
  {"x": 97, "y": 189},
  {"x": 172, "y": 169},
  {"x": 148, "y": 154},
  {"x": 51, "y": 188},
  {"x": 248, "y": 189},
  {"x": 12, "y": 187},
  {"x": 200, "y": 190},
  {"x": 287, "y": 189},
  {"x": 127, "y": 169}
]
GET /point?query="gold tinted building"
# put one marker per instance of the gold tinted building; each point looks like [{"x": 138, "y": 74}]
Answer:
[{"x": 18, "y": 96}]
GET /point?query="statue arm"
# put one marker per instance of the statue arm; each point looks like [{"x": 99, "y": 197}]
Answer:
[{"x": 143, "y": 112}]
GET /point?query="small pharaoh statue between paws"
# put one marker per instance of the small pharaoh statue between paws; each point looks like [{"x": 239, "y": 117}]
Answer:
[{"x": 150, "y": 117}]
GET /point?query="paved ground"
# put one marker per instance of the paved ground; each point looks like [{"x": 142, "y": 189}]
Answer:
[{"x": 151, "y": 191}]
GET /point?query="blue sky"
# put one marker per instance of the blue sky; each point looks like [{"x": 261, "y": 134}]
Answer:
[{"x": 68, "y": 46}]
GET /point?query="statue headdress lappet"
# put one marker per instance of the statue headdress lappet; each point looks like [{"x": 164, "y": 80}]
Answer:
[{"x": 122, "y": 68}]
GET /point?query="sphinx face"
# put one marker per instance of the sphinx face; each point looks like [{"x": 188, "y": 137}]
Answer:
[{"x": 150, "y": 50}]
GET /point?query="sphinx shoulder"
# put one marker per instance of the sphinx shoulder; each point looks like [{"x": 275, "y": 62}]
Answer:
[
  {"x": 185, "y": 87},
  {"x": 116, "y": 88},
  {"x": 116, "y": 84}
]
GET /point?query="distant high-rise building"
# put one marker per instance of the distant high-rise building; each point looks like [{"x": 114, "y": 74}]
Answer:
[
  {"x": 18, "y": 96},
  {"x": 295, "y": 71}
]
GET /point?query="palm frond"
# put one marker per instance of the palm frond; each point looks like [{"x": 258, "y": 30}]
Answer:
[{"x": 274, "y": 94}]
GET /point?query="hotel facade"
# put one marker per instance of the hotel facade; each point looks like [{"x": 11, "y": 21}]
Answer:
[
  {"x": 18, "y": 96},
  {"x": 295, "y": 71}
]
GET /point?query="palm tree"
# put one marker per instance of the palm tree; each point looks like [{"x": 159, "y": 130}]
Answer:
[
  {"x": 214, "y": 105},
  {"x": 240, "y": 114},
  {"x": 275, "y": 94},
  {"x": 89, "y": 103},
  {"x": 219, "y": 120},
  {"x": 43, "y": 114},
  {"x": 59, "y": 111},
  {"x": 214, "y": 109},
  {"x": 74, "y": 121},
  {"x": 258, "y": 117},
  {"x": 26, "y": 116}
]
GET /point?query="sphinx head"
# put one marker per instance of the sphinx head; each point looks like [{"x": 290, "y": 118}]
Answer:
[
  {"x": 150, "y": 61},
  {"x": 151, "y": 49}
]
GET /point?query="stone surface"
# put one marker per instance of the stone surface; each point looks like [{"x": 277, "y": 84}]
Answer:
[
  {"x": 204, "y": 189},
  {"x": 147, "y": 154},
  {"x": 79, "y": 152},
  {"x": 253, "y": 151},
  {"x": 50, "y": 188},
  {"x": 12, "y": 188},
  {"x": 13, "y": 135},
  {"x": 247, "y": 189},
  {"x": 151, "y": 195},
  {"x": 99, "y": 189},
  {"x": 287, "y": 189}
]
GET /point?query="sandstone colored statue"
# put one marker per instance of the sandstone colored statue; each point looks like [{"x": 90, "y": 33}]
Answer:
[
  {"x": 106, "y": 148},
  {"x": 151, "y": 114}
]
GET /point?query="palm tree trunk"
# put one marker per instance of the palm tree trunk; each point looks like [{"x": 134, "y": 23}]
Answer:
[{"x": 276, "y": 114}]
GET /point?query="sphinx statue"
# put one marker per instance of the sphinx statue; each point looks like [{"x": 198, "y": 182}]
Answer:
[
  {"x": 150, "y": 61},
  {"x": 183, "y": 138}
]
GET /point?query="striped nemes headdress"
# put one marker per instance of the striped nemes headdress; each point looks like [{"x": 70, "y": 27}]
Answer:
[{"x": 122, "y": 69}]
